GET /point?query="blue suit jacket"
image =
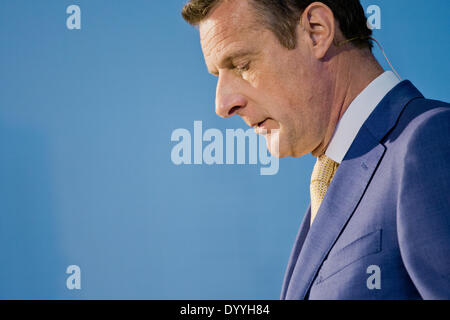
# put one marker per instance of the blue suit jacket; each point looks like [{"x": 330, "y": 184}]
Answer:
[{"x": 388, "y": 206}]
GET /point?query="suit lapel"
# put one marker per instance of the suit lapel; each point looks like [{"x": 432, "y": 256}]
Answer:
[
  {"x": 341, "y": 199},
  {"x": 301, "y": 236},
  {"x": 345, "y": 192}
]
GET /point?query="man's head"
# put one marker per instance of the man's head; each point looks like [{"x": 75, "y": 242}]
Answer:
[{"x": 279, "y": 64}]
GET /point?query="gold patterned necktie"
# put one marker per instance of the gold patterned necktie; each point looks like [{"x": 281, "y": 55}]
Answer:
[{"x": 321, "y": 177}]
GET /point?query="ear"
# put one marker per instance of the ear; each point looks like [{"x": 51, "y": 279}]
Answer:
[{"x": 318, "y": 22}]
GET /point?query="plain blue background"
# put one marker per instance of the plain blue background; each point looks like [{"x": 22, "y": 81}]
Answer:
[{"x": 85, "y": 171}]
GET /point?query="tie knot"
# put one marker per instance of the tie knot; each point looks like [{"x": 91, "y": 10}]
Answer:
[{"x": 324, "y": 170}]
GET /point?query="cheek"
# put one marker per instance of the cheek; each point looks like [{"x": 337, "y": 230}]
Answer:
[
  {"x": 299, "y": 123},
  {"x": 284, "y": 94}
]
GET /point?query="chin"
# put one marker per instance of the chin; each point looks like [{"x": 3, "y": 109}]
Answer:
[{"x": 276, "y": 146}]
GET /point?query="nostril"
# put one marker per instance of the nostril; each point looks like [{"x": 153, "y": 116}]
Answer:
[{"x": 233, "y": 110}]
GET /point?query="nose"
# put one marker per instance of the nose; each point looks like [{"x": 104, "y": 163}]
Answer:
[{"x": 229, "y": 97}]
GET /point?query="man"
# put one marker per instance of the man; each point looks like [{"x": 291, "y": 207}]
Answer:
[{"x": 379, "y": 222}]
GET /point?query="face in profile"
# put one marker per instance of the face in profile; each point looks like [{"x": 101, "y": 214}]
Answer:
[{"x": 272, "y": 88}]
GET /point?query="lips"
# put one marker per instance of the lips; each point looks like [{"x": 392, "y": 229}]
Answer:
[
  {"x": 261, "y": 123},
  {"x": 258, "y": 124},
  {"x": 263, "y": 127}
]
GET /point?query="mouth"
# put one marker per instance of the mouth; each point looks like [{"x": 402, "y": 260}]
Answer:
[
  {"x": 262, "y": 127},
  {"x": 259, "y": 124}
]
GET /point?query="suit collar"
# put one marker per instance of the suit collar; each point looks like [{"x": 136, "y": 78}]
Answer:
[
  {"x": 385, "y": 116},
  {"x": 345, "y": 192}
]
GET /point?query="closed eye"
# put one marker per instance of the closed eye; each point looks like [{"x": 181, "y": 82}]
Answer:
[{"x": 242, "y": 68}]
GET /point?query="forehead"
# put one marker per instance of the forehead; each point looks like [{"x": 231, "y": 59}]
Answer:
[{"x": 230, "y": 23}]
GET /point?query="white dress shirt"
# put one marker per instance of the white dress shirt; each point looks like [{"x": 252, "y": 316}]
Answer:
[{"x": 357, "y": 113}]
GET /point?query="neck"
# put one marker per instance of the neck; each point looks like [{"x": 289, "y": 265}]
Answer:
[{"x": 348, "y": 82}]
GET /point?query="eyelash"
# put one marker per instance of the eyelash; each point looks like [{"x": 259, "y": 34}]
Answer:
[{"x": 242, "y": 68}]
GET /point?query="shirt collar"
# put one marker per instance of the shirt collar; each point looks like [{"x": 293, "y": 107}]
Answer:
[{"x": 357, "y": 113}]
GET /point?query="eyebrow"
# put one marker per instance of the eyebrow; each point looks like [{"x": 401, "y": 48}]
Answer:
[{"x": 226, "y": 61}]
